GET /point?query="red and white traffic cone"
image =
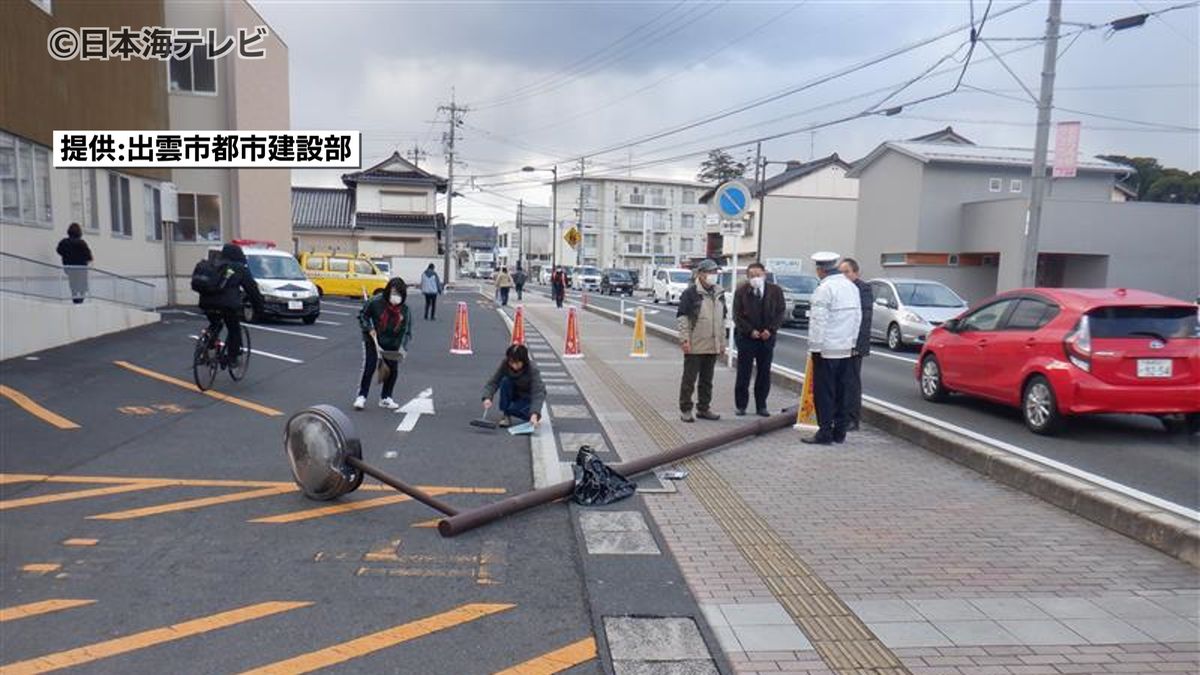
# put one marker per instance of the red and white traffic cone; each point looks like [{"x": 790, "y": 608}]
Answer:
[
  {"x": 518, "y": 330},
  {"x": 461, "y": 343},
  {"x": 573, "y": 349}
]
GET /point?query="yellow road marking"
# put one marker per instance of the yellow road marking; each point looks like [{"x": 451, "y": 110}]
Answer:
[
  {"x": 199, "y": 503},
  {"x": 149, "y": 638},
  {"x": 43, "y": 607},
  {"x": 75, "y": 494},
  {"x": 41, "y": 568},
  {"x": 384, "y": 553},
  {"x": 556, "y": 661},
  {"x": 249, "y": 405},
  {"x": 33, "y": 408},
  {"x": 427, "y": 523},
  {"x": 77, "y": 541},
  {"x": 367, "y": 644},
  {"x": 7, "y": 478},
  {"x": 347, "y": 507}
]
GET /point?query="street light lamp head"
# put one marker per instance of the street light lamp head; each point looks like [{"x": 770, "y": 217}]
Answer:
[
  {"x": 528, "y": 168},
  {"x": 318, "y": 442}
]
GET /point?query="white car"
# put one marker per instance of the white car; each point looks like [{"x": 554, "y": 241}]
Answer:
[
  {"x": 586, "y": 279},
  {"x": 287, "y": 292},
  {"x": 669, "y": 284},
  {"x": 906, "y": 310}
]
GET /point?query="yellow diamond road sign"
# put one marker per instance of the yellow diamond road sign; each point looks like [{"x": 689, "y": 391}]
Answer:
[{"x": 572, "y": 237}]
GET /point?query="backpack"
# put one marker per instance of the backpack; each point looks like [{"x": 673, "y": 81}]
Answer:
[{"x": 208, "y": 277}]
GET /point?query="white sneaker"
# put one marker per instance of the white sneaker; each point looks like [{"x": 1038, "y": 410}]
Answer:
[
  {"x": 360, "y": 402},
  {"x": 388, "y": 403}
]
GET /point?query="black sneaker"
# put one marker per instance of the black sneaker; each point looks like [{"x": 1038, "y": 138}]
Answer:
[
  {"x": 818, "y": 440},
  {"x": 740, "y": 412},
  {"x": 707, "y": 415},
  {"x": 763, "y": 412}
]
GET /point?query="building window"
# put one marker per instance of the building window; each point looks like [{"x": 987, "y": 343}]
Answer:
[
  {"x": 589, "y": 241},
  {"x": 687, "y": 245},
  {"x": 199, "y": 218},
  {"x": 586, "y": 191},
  {"x": 887, "y": 259},
  {"x": 687, "y": 221},
  {"x": 83, "y": 199},
  {"x": 120, "y": 212},
  {"x": 152, "y": 210},
  {"x": 24, "y": 181},
  {"x": 402, "y": 202},
  {"x": 995, "y": 185},
  {"x": 1014, "y": 185},
  {"x": 197, "y": 74},
  {"x": 689, "y": 197}
]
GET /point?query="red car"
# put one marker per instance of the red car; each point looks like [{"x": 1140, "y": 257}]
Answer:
[{"x": 1057, "y": 352}]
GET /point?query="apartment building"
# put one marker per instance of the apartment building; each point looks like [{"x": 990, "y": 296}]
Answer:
[
  {"x": 526, "y": 238},
  {"x": 632, "y": 222}
]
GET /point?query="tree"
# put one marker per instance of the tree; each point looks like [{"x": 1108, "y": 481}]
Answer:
[
  {"x": 1146, "y": 170},
  {"x": 1155, "y": 183},
  {"x": 719, "y": 167}
]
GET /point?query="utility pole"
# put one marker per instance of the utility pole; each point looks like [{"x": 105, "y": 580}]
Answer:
[
  {"x": 760, "y": 176},
  {"x": 1038, "y": 184},
  {"x": 521, "y": 232},
  {"x": 456, "y": 111},
  {"x": 415, "y": 155},
  {"x": 579, "y": 212}
]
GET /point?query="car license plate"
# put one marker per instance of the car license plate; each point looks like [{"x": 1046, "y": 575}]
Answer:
[
  {"x": 295, "y": 304},
  {"x": 806, "y": 313},
  {"x": 1154, "y": 368}
]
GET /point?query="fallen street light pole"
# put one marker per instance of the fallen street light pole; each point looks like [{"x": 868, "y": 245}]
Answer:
[
  {"x": 469, "y": 520},
  {"x": 325, "y": 453}
]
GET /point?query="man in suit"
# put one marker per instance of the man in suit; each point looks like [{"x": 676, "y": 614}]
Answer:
[
  {"x": 758, "y": 310},
  {"x": 862, "y": 346}
]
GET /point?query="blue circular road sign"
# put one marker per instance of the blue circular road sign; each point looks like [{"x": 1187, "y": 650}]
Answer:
[{"x": 732, "y": 199}]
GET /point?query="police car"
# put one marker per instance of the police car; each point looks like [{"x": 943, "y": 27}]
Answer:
[{"x": 287, "y": 292}]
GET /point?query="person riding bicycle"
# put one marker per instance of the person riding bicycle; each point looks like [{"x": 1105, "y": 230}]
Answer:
[{"x": 224, "y": 304}]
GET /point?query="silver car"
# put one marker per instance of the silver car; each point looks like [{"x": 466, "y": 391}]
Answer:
[{"x": 907, "y": 309}]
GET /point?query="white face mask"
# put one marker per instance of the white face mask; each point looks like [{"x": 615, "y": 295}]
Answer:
[
  {"x": 394, "y": 299},
  {"x": 758, "y": 283}
]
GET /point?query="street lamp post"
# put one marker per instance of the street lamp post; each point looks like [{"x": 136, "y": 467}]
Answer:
[{"x": 553, "y": 213}]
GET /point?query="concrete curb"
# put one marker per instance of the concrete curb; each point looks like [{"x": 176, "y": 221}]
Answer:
[{"x": 1155, "y": 527}]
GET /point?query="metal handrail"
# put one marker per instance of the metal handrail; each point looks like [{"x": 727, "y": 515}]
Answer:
[{"x": 48, "y": 281}]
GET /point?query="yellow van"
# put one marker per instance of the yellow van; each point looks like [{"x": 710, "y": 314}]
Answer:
[{"x": 343, "y": 274}]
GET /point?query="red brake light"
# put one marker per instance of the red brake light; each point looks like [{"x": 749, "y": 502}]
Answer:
[{"x": 1078, "y": 345}]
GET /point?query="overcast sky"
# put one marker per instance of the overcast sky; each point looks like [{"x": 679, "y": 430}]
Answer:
[{"x": 548, "y": 82}]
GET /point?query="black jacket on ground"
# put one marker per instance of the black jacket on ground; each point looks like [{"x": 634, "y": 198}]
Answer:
[
  {"x": 235, "y": 278},
  {"x": 751, "y": 313},
  {"x": 526, "y": 385},
  {"x": 867, "y": 299},
  {"x": 74, "y": 251}
]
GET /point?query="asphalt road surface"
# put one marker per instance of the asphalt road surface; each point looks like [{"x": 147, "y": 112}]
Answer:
[
  {"x": 1131, "y": 450},
  {"x": 164, "y": 507}
]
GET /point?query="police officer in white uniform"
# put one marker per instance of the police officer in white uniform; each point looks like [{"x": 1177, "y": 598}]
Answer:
[{"x": 832, "y": 332}]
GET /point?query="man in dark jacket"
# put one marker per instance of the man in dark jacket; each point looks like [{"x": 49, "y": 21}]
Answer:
[
  {"x": 519, "y": 278},
  {"x": 75, "y": 256},
  {"x": 225, "y": 305},
  {"x": 758, "y": 310},
  {"x": 519, "y": 383},
  {"x": 558, "y": 286},
  {"x": 862, "y": 347}
]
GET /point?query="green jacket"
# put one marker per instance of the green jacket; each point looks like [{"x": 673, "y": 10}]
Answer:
[{"x": 392, "y": 338}]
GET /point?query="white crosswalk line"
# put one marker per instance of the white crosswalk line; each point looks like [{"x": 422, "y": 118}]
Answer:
[
  {"x": 285, "y": 332},
  {"x": 269, "y": 355}
]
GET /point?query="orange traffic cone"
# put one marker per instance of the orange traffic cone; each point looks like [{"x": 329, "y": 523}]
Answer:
[
  {"x": 806, "y": 414},
  {"x": 461, "y": 344},
  {"x": 572, "y": 350},
  {"x": 518, "y": 330},
  {"x": 639, "y": 335}
]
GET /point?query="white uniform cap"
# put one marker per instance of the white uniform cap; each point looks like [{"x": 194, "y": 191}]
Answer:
[{"x": 825, "y": 258}]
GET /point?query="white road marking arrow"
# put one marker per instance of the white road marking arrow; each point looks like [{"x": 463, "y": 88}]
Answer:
[{"x": 421, "y": 405}]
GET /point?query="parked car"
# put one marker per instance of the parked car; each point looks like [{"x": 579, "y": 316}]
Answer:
[
  {"x": 616, "y": 281},
  {"x": 797, "y": 292},
  {"x": 586, "y": 278},
  {"x": 1059, "y": 352},
  {"x": 287, "y": 293},
  {"x": 907, "y": 309},
  {"x": 343, "y": 274},
  {"x": 669, "y": 284}
]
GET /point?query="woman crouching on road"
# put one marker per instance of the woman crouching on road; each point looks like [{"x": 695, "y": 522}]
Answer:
[
  {"x": 519, "y": 382},
  {"x": 386, "y": 327}
]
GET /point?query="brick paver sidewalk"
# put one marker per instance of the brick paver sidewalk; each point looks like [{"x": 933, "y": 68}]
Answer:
[{"x": 877, "y": 556}]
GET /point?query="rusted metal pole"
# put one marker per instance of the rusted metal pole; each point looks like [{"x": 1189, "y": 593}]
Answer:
[
  {"x": 410, "y": 490},
  {"x": 468, "y": 520}
]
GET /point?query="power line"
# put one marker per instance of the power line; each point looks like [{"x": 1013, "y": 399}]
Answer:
[
  {"x": 1111, "y": 118},
  {"x": 789, "y": 91},
  {"x": 575, "y": 66}
]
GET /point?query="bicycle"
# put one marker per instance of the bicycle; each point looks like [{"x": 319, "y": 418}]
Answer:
[{"x": 212, "y": 355}]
